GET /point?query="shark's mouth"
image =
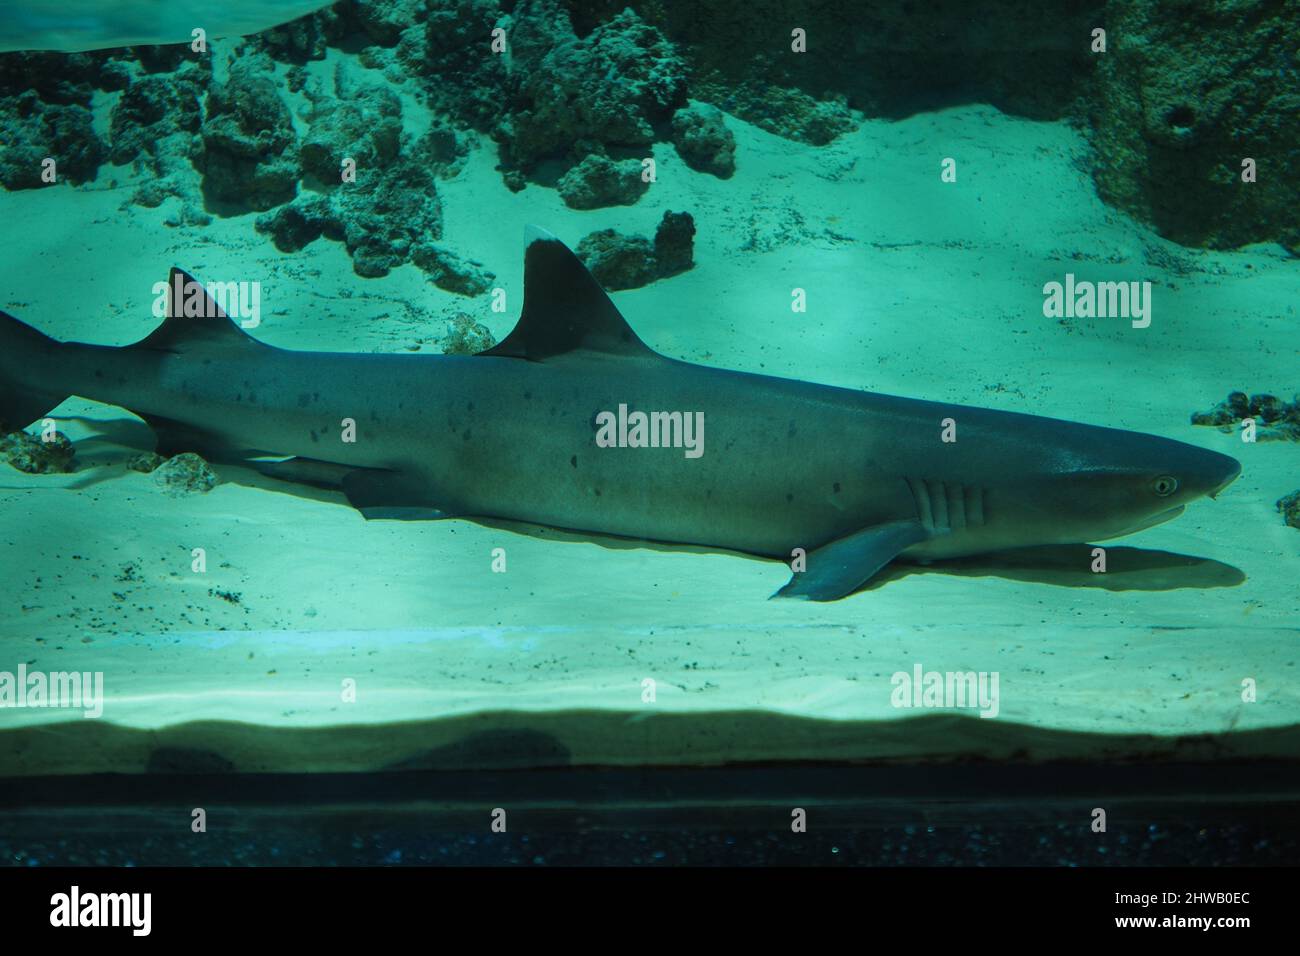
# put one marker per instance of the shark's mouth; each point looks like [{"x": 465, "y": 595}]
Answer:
[{"x": 1156, "y": 519}]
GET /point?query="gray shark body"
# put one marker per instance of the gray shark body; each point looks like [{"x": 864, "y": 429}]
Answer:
[
  {"x": 836, "y": 481},
  {"x": 75, "y": 26}
]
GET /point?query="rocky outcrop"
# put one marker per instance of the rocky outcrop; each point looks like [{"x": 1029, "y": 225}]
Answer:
[
  {"x": 674, "y": 244},
  {"x": 1289, "y": 507},
  {"x": 575, "y": 96},
  {"x": 185, "y": 474},
  {"x": 449, "y": 50},
  {"x": 248, "y": 154},
  {"x": 372, "y": 190},
  {"x": 154, "y": 126},
  {"x": 620, "y": 261},
  {"x": 365, "y": 128},
  {"x": 599, "y": 181},
  {"x": 703, "y": 140},
  {"x": 1273, "y": 418},
  {"x": 152, "y": 108},
  {"x": 1194, "y": 128},
  {"x": 34, "y": 131},
  {"x": 1178, "y": 111},
  {"x": 384, "y": 21},
  {"x": 383, "y": 220},
  {"x": 885, "y": 59},
  {"x": 306, "y": 38},
  {"x": 30, "y": 453},
  {"x": 466, "y": 336}
]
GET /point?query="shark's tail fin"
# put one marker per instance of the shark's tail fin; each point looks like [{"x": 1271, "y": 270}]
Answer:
[{"x": 23, "y": 353}]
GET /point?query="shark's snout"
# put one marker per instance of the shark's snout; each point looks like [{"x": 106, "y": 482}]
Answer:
[{"x": 1231, "y": 471}]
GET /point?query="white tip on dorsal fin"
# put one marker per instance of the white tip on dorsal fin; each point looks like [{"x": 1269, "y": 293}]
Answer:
[{"x": 533, "y": 233}]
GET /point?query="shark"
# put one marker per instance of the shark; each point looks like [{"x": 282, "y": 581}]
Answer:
[
  {"x": 79, "y": 26},
  {"x": 571, "y": 421}
]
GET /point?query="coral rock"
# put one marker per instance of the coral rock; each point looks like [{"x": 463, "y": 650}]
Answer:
[
  {"x": 611, "y": 87},
  {"x": 599, "y": 181},
  {"x": 674, "y": 243},
  {"x": 249, "y": 156},
  {"x": 185, "y": 474},
  {"x": 703, "y": 140},
  {"x": 466, "y": 336},
  {"x": 618, "y": 261},
  {"x": 33, "y": 131},
  {"x": 29, "y": 453}
]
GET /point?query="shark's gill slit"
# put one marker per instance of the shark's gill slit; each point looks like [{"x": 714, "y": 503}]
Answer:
[
  {"x": 938, "y": 504},
  {"x": 974, "y": 507},
  {"x": 922, "y": 498},
  {"x": 956, "y": 506}
]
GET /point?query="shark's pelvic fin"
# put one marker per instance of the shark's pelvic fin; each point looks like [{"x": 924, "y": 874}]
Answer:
[
  {"x": 396, "y": 495},
  {"x": 305, "y": 471},
  {"x": 375, "y": 492},
  {"x": 843, "y": 565},
  {"x": 565, "y": 309},
  {"x": 174, "y": 437},
  {"x": 195, "y": 321}
]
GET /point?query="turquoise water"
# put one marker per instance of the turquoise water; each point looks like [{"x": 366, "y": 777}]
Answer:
[{"x": 839, "y": 208}]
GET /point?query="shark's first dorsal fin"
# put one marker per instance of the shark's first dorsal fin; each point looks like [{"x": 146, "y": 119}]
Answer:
[
  {"x": 194, "y": 320},
  {"x": 565, "y": 309}
]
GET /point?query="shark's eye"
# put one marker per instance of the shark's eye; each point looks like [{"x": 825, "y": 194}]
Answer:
[{"x": 1164, "y": 486}]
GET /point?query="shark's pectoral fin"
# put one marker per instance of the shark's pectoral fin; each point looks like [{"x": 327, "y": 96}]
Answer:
[
  {"x": 304, "y": 471},
  {"x": 395, "y": 495},
  {"x": 841, "y": 566}
]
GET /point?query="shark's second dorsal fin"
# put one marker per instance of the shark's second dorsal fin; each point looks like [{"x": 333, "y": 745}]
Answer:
[
  {"x": 194, "y": 320},
  {"x": 565, "y": 309}
]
